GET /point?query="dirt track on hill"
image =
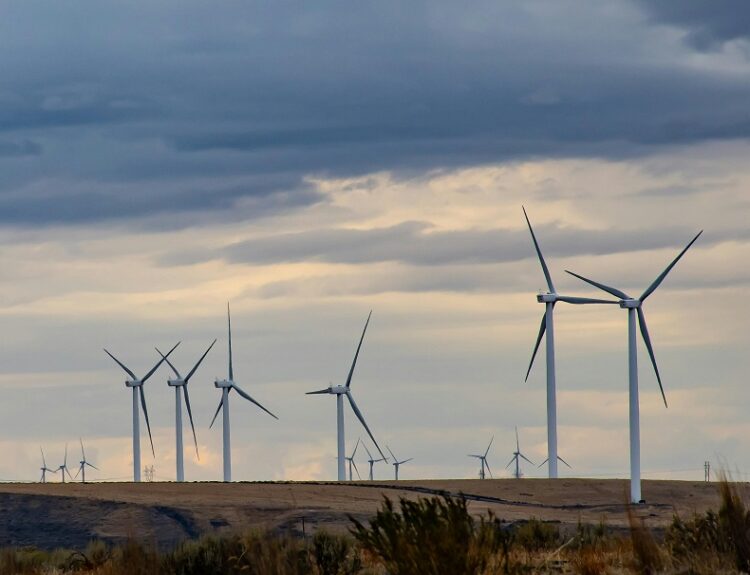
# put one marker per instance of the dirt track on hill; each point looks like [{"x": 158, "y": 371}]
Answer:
[{"x": 54, "y": 515}]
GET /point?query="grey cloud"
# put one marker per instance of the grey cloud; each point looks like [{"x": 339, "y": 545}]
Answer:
[{"x": 22, "y": 148}]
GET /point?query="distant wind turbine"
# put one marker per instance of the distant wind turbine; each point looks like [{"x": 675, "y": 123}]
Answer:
[
  {"x": 82, "y": 465},
  {"x": 44, "y": 468},
  {"x": 549, "y": 299},
  {"x": 517, "y": 456},
  {"x": 483, "y": 460},
  {"x": 372, "y": 461},
  {"x": 350, "y": 460},
  {"x": 634, "y": 306},
  {"x": 180, "y": 383},
  {"x": 396, "y": 462},
  {"x": 344, "y": 390},
  {"x": 137, "y": 385},
  {"x": 226, "y": 386},
  {"x": 63, "y": 469}
]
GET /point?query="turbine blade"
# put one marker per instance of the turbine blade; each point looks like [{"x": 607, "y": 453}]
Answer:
[
  {"x": 326, "y": 390},
  {"x": 82, "y": 451},
  {"x": 195, "y": 367},
  {"x": 44, "y": 462},
  {"x": 229, "y": 325},
  {"x": 649, "y": 347},
  {"x": 122, "y": 365},
  {"x": 405, "y": 461},
  {"x": 153, "y": 369},
  {"x": 367, "y": 450},
  {"x": 356, "y": 355},
  {"x": 545, "y": 461},
  {"x": 472, "y": 455},
  {"x": 650, "y": 289},
  {"x": 169, "y": 363},
  {"x": 614, "y": 291},
  {"x": 78, "y": 472},
  {"x": 518, "y": 448},
  {"x": 190, "y": 417},
  {"x": 565, "y": 462},
  {"x": 391, "y": 452},
  {"x": 246, "y": 396},
  {"x": 539, "y": 253},
  {"x": 355, "y": 469},
  {"x": 355, "y": 447},
  {"x": 490, "y": 445},
  {"x": 487, "y": 465},
  {"x": 526, "y": 458},
  {"x": 92, "y": 465},
  {"x": 582, "y": 300},
  {"x": 361, "y": 418},
  {"x": 539, "y": 337},
  {"x": 218, "y": 409},
  {"x": 145, "y": 415},
  {"x": 512, "y": 459},
  {"x": 65, "y": 461}
]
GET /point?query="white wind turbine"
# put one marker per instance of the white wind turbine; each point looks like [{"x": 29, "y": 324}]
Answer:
[
  {"x": 44, "y": 468},
  {"x": 181, "y": 383},
  {"x": 63, "y": 469},
  {"x": 483, "y": 460},
  {"x": 350, "y": 460},
  {"x": 226, "y": 386},
  {"x": 82, "y": 465},
  {"x": 344, "y": 390},
  {"x": 372, "y": 461},
  {"x": 137, "y": 385},
  {"x": 517, "y": 456},
  {"x": 396, "y": 462},
  {"x": 634, "y": 307},
  {"x": 549, "y": 299}
]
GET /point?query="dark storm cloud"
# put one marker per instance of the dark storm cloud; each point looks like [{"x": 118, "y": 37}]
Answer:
[
  {"x": 156, "y": 93},
  {"x": 708, "y": 23}
]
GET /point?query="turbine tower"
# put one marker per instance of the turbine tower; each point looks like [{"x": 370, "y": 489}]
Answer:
[
  {"x": 483, "y": 460},
  {"x": 517, "y": 455},
  {"x": 634, "y": 307},
  {"x": 396, "y": 462},
  {"x": 137, "y": 385},
  {"x": 344, "y": 390},
  {"x": 226, "y": 386},
  {"x": 549, "y": 299},
  {"x": 180, "y": 383},
  {"x": 44, "y": 468},
  {"x": 64, "y": 467},
  {"x": 83, "y": 464},
  {"x": 372, "y": 461},
  {"x": 350, "y": 460}
]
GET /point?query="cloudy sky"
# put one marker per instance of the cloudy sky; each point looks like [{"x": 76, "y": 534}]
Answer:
[{"x": 312, "y": 161}]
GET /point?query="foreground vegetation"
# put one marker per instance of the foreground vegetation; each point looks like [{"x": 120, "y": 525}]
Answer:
[{"x": 434, "y": 536}]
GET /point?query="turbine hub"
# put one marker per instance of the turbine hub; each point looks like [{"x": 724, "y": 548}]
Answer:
[
  {"x": 630, "y": 303},
  {"x": 546, "y": 297},
  {"x": 221, "y": 383}
]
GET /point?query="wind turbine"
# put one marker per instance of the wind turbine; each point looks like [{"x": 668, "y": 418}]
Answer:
[
  {"x": 517, "y": 455},
  {"x": 44, "y": 468},
  {"x": 549, "y": 299},
  {"x": 483, "y": 460},
  {"x": 372, "y": 461},
  {"x": 339, "y": 391},
  {"x": 179, "y": 384},
  {"x": 350, "y": 459},
  {"x": 634, "y": 306},
  {"x": 137, "y": 385},
  {"x": 83, "y": 464},
  {"x": 227, "y": 385},
  {"x": 396, "y": 462},
  {"x": 64, "y": 467}
]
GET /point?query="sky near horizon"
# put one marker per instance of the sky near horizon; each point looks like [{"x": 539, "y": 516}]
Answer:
[{"x": 309, "y": 162}]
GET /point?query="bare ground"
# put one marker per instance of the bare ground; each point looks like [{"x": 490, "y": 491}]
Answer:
[{"x": 70, "y": 515}]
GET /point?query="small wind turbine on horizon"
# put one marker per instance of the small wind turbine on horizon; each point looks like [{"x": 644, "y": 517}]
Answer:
[
  {"x": 226, "y": 386},
  {"x": 483, "y": 460},
  {"x": 63, "y": 469},
  {"x": 396, "y": 462},
  {"x": 517, "y": 455},
  {"x": 549, "y": 299},
  {"x": 372, "y": 461},
  {"x": 137, "y": 385},
  {"x": 634, "y": 307},
  {"x": 83, "y": 463},
  {"x": 350, "y": 460},
  {"x": 181, "y": 383},
  {"x": 344, "y": 390},
  {"x": 44, "y": 468}
]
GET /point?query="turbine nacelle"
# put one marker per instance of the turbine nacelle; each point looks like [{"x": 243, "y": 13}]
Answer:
[
  {"x": 546, "y": 297},
  {"x": 630, "y": 303},
  {"x": 223, "y": 383},
  {"x": 133, "y": 383},
  {"x": 176, "y": 382}
]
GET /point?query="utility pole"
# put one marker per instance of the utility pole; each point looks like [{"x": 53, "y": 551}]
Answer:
[{"x": 707, "y": 471}]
